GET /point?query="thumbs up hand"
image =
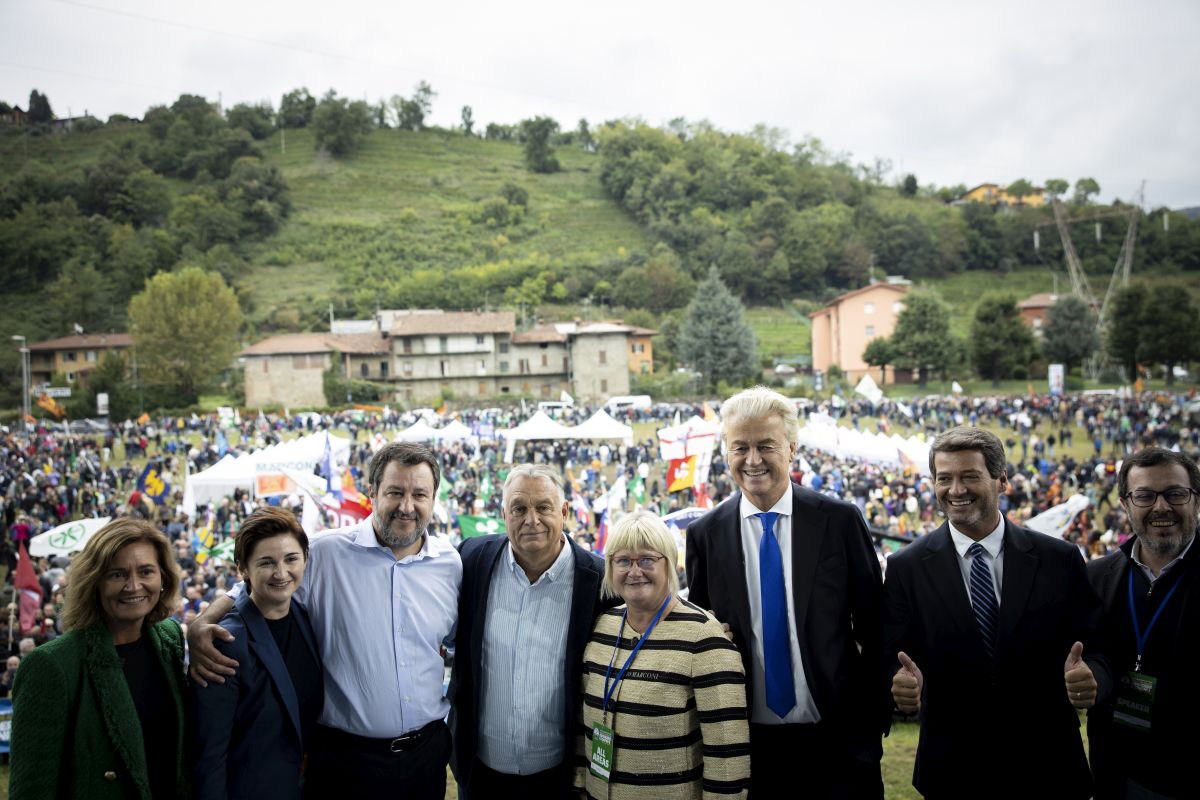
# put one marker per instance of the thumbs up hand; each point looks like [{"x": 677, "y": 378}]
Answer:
[
  {"x": 1081, "y": 683},
  {"x": 907, "y": 684}
]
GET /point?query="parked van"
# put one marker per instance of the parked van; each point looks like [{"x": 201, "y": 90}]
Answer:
[{"x": 625, "y": 402}]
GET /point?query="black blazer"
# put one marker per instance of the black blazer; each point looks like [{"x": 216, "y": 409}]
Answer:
[
  {"x": 480, "y": 556},
  {"x": 980, "y": 717},
  {"x": 1171, "y": 769},
  {"x": 248, "y": 731},
  {"x": 837, "y": 600}
]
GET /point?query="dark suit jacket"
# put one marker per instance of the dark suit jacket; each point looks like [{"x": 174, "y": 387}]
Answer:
[
  {"x": 1002, "y": 728},
  {"x": 248, "y": 731},
  {"x": 76, "y": 729},
  {"x": 480, "y": 557},
  {"x": 1161, "y": 760},
  {"x": 837, "y": 601}
]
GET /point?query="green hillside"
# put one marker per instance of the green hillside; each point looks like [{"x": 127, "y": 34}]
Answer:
[{"x": 409, "y": 201}]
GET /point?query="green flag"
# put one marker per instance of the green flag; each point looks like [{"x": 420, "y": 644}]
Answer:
[
  {"x": 637, "y": 489},
  {"x": 485, "y": 487},
  {"x": 224, "y": 550},
  {"x": 479, "y": 526},
  {"x": 443, "y": 488}
]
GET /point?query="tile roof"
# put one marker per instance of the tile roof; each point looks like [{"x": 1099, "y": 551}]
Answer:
[
  {"x": 1039, "y": 300},
  {"x": 538, "y": 335},
  {"x": 452, "y": 322},
  {"x": 85, "y": 342},
  {"x": 295, "y": 343}
]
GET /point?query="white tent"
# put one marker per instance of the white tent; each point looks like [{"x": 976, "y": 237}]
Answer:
[
  {"x": 539, "y": 426},
  {"x": 824, "y": 434},
  {"x": 454, "y": 432},
  {"x": 419, "y": 431},
  {"x": 230, "y": 474},
  {"x": 601, "y": 426}
]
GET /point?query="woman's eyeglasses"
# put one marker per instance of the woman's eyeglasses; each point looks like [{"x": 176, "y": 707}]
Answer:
[{"x": 645, "y": 563}]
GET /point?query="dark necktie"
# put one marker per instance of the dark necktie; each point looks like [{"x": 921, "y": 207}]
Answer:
[
  {"x": 777, "y": 654},
  {"x": 983, "y": 598}
]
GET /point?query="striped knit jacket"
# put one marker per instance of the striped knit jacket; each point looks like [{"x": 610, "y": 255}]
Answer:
[{"x": 680, "y": 721}]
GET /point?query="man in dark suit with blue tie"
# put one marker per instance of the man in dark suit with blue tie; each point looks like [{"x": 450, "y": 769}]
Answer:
[
  {"x": 985, "y": 627},
  {"x": 795, "y": 576}
]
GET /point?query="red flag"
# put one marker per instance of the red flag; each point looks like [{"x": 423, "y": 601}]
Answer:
[
  {"x": 26, "y": 582},
  {"x": 681, "y": 474}
]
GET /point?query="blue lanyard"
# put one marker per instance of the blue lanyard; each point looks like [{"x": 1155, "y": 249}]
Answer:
[
  {"x": 608, "y": 690},
  {"x": 1138, "y": 635}
]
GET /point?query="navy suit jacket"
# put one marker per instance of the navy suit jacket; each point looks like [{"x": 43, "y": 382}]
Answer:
[
  {"x": 248, "y": 731},
  {"x": 837, "y": 600},
  {"x": 976, "y": 712},
  {"x": 480, "y": 557}
]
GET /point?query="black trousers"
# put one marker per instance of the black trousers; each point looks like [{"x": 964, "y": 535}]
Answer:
[
  {"x": 488, "y": 784},
  {"x": 811, "y": 759},
  {"x": 343, "y": 765}
]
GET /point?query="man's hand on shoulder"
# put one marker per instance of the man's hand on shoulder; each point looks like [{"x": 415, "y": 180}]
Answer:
[{"x": 207, "y": 663}]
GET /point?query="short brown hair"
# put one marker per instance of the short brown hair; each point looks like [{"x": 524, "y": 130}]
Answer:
[
  {"x": 1152, "y": 457},
  {"x": 82, "y": 607},
  {"x": 264, "y": 524},
  {"x": 965, "y": 437},
  {"x": 407, "y": 454}
]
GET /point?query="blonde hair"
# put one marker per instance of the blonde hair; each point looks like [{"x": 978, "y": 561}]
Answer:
[
  {"x": 761, "y": 402},
  {"x": 82, "y": 606},
  {"x": 640, "y": 530}
]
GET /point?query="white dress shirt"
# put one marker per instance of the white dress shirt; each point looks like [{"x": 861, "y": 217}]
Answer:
[
  {"x": 805, "y": 709},
  {"x": 993, "y": 543},
  {"x": 523, "y": 700},
  {"x": 379, "y": 625}
]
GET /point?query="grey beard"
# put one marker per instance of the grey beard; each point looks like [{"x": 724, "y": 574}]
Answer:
[{"x": 388, "y": 539}]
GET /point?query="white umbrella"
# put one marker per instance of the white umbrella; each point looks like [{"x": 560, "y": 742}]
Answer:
[{"x": 67, "y": 538}]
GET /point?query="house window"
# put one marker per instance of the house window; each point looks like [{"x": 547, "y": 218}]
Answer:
[
  {"x": 407, "y": 344},
  {"x": 443, "y": 343},
  {"x": 70, "y": 377},
  {"x": 300, "y": 362},
  {"x": 70, "y": 355},
  {"x": 897, "y": 307},
  {"x": 365, "y": 370},
  {"x": 504, "y": 347},
  {"x": 479, "y": 340},
  {"x": 482, "y": 365},
  {"x": 445, "y": 365},
  {"x": 482, "y": 388},
  {"x": 383, "y": 369},
  {"x": 523, "y": 366},
  {"x": 870, "y": 330},
  {"x": 868, "y": 308},
  {"x": 407, "y": 368},
  {"x": 91, "y": 356},
  {"x": 604, "y": 385},
  {"x": 603, "y": 356},
  {"x": 545, "y": 360},
  {"x": 503, "y": 390},
  {"x": 504, "y": 366}
]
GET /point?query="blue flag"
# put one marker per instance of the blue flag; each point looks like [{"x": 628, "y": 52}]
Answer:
[
  {"x": 327, "y": 471},
  {"x": 152, "y": 485},
  {"x": 222, "y": 444}
]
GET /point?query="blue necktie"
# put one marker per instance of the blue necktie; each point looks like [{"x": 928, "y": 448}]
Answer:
[
  {"x": 983, "y": 598},
  {"x": 777, "y": 653}
]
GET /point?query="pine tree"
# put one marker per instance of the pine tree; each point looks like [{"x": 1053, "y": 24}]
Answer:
[{"x": 716, "y": 340}]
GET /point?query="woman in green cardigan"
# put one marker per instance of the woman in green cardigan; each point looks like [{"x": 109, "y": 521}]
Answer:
[{"x": 98, "y": 712}]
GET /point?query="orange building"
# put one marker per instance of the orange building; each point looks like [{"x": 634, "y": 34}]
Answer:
[
  {"x": 842, "y": 329},
  {"x": 73, "y": 356},
  {"x": 641, "y": 350},
  {"x": 997, "y": 195}
]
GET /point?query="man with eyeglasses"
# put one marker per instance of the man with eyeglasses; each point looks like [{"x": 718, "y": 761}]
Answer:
[
  {"x": 528, "y": 602},
  {"x": 1142, "y": 740}
]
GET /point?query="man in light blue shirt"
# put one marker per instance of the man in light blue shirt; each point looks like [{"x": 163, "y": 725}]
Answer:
[
  {"x": 382, "y": 596},
  {"x": 529, "y": 600}
]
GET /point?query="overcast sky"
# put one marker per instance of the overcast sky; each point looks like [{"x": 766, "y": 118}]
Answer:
[{"x": 954, "y": 92}]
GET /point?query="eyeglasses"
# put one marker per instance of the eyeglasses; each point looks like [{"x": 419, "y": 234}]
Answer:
[
  {"x": 645, "y": 563},
  {"x": 1144, "y": 498}
]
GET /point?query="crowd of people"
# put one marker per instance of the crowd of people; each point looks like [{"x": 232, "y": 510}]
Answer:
[{"x": 51, "y": 476}]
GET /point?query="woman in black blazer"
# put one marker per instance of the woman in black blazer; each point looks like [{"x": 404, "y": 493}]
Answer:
[{"x": 252, "y": 731}]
